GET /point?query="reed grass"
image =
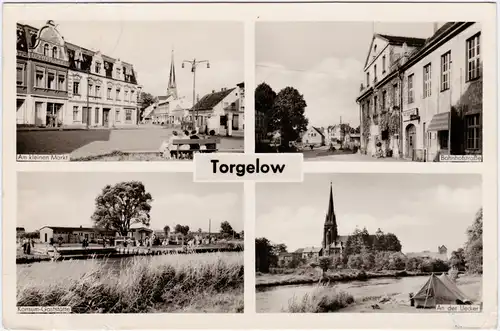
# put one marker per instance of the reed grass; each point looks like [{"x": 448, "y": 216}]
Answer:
[
  {"x": 323, "y": 299},
  {"x": 209, "y": 282}
]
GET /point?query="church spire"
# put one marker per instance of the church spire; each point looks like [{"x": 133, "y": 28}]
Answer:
[
  {"x": 172, "y": 85},
  {"x": 330, "y": 215},
  {"x": 330, "y": 232}
]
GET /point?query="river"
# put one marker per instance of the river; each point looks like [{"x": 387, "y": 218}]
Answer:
[
  {"x": 275, "y": 299},
  {"x": 54, "y": 272}
]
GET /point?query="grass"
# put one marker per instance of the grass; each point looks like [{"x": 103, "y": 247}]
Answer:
[
  {"x": 323, "y": 299},
  {"x": 202, "y": 284}
]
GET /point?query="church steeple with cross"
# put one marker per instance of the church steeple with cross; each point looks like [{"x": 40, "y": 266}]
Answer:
[
  {"x": 172, "y": 85},
  {"x": 330, "y": 232}
]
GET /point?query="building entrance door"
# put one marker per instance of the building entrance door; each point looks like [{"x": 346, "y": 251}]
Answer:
[
  {"x": 411, "y": 132},
  {"x": 105, "y": 117},
  {"x": 235, "y": 122}
]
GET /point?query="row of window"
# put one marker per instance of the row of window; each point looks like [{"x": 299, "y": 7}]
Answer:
[
  {"x": 78, "y": 116},
  {"x": 52, "y": 53},
  {"x": 44, "y": 78},
  {"x": 375, "y": 71},
  {"x": 383, "y": 104},
  {"x": 96, "y": 92},
  {"x": 472, "y": 72}
]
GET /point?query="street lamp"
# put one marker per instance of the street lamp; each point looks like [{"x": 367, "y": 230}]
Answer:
[{"x": 194, "y": 64}]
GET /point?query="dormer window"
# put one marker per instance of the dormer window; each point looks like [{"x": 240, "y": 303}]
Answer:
[
  {"x": 54, "y": 52},
  {"x": 97, "y": 67},
  {"x": 46, "y": 50},
  {"x": 118, "y": 72},
  {"x": 375, "y": 49}
]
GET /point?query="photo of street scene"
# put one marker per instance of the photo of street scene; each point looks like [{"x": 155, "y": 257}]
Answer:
[
  {"x": 128, "y": 243},
  {"x": 392, "y": 92},
  {"x": 370, "y": 243},
  {"x": 142, "y": 91}
]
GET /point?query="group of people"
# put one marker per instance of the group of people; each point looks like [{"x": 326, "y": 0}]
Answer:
[
  {"x": 27, "y": 244},
  {"x": 170, "y": 151}
]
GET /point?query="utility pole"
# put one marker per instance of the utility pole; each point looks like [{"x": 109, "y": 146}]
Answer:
[
  {"x": 194, "y": 64},
  {"x": 209, "y": 226}
]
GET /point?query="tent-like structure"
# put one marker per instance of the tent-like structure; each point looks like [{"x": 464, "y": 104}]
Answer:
[{"x": 439, "y": 291}]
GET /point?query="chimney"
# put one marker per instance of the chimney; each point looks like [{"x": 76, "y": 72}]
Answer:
[{"x": 81, "y": 226}]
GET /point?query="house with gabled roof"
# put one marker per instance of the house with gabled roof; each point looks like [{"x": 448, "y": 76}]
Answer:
[
  {"x": 314, "y": 136},
  {"x": 218, "y": 111}
]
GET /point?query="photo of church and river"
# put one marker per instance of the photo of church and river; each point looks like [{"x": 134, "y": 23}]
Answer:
[
  {"x": 128, "y": 243},
  {"x": 340, "y": 243}
]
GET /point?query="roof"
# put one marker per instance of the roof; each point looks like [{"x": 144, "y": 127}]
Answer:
[
  {"x": 299, "y": 251},
  {"x": 312, "y": 250},
  {"x": 433, "y": 255},
  {"x": 283, "y": 254},
  {"x": 211, "y": 100},
  {"x": 73, "y": 228},
  {"x": 400, "y": 40},
  {"x": 20, "y": 228},
  {"x": 318, "y": 130}
]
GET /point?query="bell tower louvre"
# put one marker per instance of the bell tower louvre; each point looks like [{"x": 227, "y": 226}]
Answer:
[{"x": 330, "y": 232}]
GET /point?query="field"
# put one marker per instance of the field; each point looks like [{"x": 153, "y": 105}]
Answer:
[{"x": 169, "y": 283}]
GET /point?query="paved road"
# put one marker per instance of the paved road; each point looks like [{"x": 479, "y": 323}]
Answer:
[
  {"x": 84, "y": 143},
  {"x": 354, "y": 158}
]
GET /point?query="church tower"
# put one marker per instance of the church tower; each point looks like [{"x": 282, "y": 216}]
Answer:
[
  {"x": 330, "y": 233},
  {"x": 172, "y": 85}
]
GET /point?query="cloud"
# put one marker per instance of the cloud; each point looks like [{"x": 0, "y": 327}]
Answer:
[{"x": 326, "y": 86}]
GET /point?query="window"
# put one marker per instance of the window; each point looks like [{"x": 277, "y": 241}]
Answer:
[
  {"x": 109, "y": 93},
  {"x": 473, "y": 58},
  {"x": 54, "y": 52},
  {"x": 383, "y": 64},
  {"x": 96, "y": 116},
  {"x": 126, "y": 96},
  {"x": 97, "y": 67},
  {"x": 375, "y": 104},
  {"x": 75, "y": 113},
  {"x": 97, "y": 91},
  {"x": 445, "y": 71},
  {"x": 443, "y": 139},
  {"x": 395, "y": 96},
  {"x": 128, "y": 115},
  {"x": 20, "y": 74},
  {"x": 118, "y": 73},
  {"x": 374, "y": 73},
  {"x": 384, "y": 96},
  {"x": 46, "y": 50},
  {"x": 424, "y": 135},
  {"x": 411, "y": 96},
  {"x": 427, "y": 80},
  {"x": 117, "y": 119},
  {"x": 40, "y": 77},
  {"x": 117, "y": 94},
  {"x": 473, "y": 133},
  {"x": 76, "y": 88},
  {"x": 61, "y": 82},
  {"x": 90, "y": 89},
  {"x": 367, "y": 79},
  {"x": 51, "y": 81}
]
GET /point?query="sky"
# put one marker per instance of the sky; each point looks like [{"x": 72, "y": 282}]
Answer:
[
  {"x": 148, "y": 47},
  {"x": 324, "y": 61},
  {"x": 422, "y": 210},
  {"x": 67, "y": 199}
]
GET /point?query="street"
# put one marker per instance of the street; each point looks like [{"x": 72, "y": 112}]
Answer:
[
  {"x": 353, "y": 158},
  {"x": 87, "y": 143}
]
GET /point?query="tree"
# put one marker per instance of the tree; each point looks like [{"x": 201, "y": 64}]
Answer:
[
  {"x": 184, "y": 229},
  {"x": 121, "y": 205},
  {"x": 264, "y": 255},
  {"x": 279, "y": 248},
  {"x": 474, "y": 245},
  {"x": 226, "y": 229},
  {"x": 288, "y": 115},
  {"x": 392, "y": 243},
  {"x": 325, "y": 263},
  {"x": 358, "y": 241},
  {"x": 166, "y": 230},
  {"x": 264, "y": 98},
  {"x": 146, "y": 100},
  {"x": 457, "y": 259}
]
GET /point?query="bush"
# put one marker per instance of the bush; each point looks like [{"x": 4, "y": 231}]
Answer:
[
  {"x": 434, "y": 265},
  {"x": 322, "y": 300}
]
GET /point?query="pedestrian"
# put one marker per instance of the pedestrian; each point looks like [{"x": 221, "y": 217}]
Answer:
[
  {"x": 194, "y": 147},
  {"x": 28, "y": 247},
  {"x": 211, "y": 147},
  {"x": 23, "y": 243}
]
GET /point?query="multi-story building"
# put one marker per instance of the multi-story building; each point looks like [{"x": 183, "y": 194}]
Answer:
[
  {"x": 379, "y": 100},
  {"x": 423, "y": 97},
  {"x": 442, "y": 94},
  {"x": 41, "y": 73},
  {"x": 63, "y": 84}
]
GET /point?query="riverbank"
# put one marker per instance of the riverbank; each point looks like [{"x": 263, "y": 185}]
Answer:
[
  {"x": 315, "y": 276},
  {"x": 182, "y": 283}
]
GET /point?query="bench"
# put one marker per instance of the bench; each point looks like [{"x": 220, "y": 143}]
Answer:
[{"x": 200, "y": 142}]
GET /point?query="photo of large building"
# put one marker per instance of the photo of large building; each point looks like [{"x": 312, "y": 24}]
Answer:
[{"x": 63, "y": 84}]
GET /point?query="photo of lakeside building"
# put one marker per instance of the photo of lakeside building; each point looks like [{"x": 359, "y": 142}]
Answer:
[
  {"x": 422, "y": 98},
  {"x": 61, "y": 84}
]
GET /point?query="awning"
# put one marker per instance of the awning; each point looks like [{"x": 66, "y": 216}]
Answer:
[{"x": 440, "y": 122}]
